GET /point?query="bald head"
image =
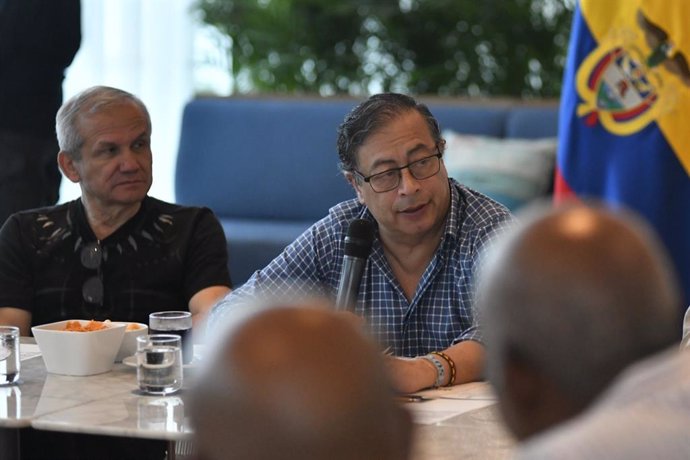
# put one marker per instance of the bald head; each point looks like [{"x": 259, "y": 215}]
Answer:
[
  {"x": 573, "y": 295},
  {"x": 300, "y": 383}
]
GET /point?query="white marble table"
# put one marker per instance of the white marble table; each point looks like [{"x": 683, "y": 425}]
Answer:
[
  {"x": 477, "y": 434},
  {"x": 107, "y": 404},
  {"x": 466, "y": 425},
  {"x": 104, "y": 404},
  {"x": 462, "y": 422}
]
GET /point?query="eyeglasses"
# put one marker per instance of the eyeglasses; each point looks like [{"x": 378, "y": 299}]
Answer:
[
  {"x": 91, "y": 257},
  {"x": 389, "y": 179}
]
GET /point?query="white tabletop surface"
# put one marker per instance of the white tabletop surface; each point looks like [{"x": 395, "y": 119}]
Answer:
[
  {"x": 461, "y": 422},
  {"x": 106, "y": 403}
]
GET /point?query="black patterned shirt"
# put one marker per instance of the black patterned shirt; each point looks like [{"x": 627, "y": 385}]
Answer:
[{"x": 156, "y": 261}]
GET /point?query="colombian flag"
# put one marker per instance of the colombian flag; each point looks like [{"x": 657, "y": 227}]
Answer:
[{"x": 625, "y": 115}]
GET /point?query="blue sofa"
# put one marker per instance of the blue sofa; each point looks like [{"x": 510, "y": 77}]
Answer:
[{"x": 268, "y": 166}]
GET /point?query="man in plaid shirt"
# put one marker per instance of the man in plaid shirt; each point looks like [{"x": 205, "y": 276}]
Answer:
[{"x": 416, "y": 293}]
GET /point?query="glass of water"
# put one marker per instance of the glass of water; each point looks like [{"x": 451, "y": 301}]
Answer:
[
  {"x": 9, "y": 355},
  {"x": 159, "y": 363}
]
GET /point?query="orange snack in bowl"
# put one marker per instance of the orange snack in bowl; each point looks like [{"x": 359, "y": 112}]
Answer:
[
  {"x": 133, "y": 327},
  {"x": 76, "y": 326}
]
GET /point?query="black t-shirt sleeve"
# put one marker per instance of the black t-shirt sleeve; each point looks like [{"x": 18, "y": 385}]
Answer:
[
  {"x": 16, "y": 286},
  {"x": 206, "y": 263}
]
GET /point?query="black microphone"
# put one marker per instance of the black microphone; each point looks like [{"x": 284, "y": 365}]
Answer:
[{"x": 360, "y": 235}]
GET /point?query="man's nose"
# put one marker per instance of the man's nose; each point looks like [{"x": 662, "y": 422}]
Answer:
[
  {"x": 408, "y": 183},
  {"x": 129, "y": 160}
]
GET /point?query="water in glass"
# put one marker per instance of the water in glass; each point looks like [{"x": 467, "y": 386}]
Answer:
[
  {"x": 159, "y": 364},
  {"x": 9, "y": 355}
]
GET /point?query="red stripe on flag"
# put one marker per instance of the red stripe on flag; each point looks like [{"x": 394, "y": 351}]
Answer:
[
  {"x": 599, "y": 68},
  {"x": 561, "y": 190}
]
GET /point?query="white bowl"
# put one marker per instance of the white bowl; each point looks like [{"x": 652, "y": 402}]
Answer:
[
  {"x": 129, "y": 342},
  {"x": 78, "y": 353}
]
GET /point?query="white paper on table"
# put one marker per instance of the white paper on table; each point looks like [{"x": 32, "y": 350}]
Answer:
[
  {"x": 28, "y": 351},
  {"x": 437, "y": 410},
  {"x": 473, "y": 390},
  {"x": 443, "y": 403}
]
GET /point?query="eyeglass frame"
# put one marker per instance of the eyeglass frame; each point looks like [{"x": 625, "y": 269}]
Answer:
[{"x": 367, "y": 179}]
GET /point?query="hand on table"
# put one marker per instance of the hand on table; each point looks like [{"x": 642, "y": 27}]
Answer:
[
  {"x": 410, "y": 374},
  {"x": 413, "y": 374}
]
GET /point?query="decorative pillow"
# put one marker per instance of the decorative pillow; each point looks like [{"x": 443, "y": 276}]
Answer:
[{"x": 511, "y": 171}]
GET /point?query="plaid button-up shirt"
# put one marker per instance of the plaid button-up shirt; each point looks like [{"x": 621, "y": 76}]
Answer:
[{"x": 441, "y": 312}]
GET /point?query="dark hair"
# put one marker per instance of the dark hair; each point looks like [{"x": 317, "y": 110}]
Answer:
[{"x": 371, "y": 115}]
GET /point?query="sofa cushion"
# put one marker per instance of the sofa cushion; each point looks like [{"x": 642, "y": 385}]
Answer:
[
  {"x": 511, "y": 171},
  {"x": 252, "y": 244},
  {"x": 532, "y": 122},
  {"x": 262, "y": 158},
  {"x": 486, "y": 121}
]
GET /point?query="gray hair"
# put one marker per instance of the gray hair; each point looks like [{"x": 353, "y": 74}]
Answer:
[
  {"x": 579, "y": 293},
  {"x": 88, "y": 102},
  {"x": 370, "y": 116}
]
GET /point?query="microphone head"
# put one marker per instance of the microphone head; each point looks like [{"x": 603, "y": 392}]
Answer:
[{"x": 359, "y": 238}]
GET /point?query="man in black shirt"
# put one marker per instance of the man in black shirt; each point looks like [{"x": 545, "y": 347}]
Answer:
[{"x": 114, "y": 253}]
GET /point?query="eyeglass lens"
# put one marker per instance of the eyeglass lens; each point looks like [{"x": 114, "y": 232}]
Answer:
[
  {"x": 91, "y": 257},
  {"x": 420, "y": 169},
  {"x": 92, "y": 291}
]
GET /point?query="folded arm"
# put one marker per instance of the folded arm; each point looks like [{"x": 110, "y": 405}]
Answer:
[{"x": 203, "y": 301}]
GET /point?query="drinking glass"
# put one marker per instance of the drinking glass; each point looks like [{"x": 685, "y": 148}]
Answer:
[
  {"x": 175, "y": 322},
  {"x": 159, "y": 363},
  {"x": 9, "y": 355}
]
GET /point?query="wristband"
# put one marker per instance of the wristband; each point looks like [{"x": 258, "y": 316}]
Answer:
[
  {"x": 440, "y": 370},
  {"x": 451, "y": 366}
]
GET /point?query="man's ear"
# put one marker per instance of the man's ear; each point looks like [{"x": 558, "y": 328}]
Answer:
[
  {"x": 67, "y": 166},
  {"x": 355, "y": 185}
]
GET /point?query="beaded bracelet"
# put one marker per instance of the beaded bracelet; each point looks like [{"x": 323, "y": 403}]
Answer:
[
  {"x": 451, "y": 365},
  {"x": 440, "y": 370}
]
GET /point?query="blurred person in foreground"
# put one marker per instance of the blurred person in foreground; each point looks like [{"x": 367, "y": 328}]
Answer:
[
  {"x": 297, "y": 382},
  {"x": 38, "y": 41},
  {"x": 572, "y": 300},
  {"x": 416, "y": 293},
  {"x": 114, "y": 253}
]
